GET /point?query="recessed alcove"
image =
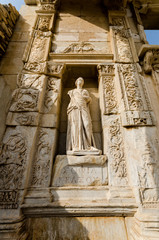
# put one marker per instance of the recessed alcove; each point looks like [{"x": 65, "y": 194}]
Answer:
[{"x": 90, "y": 75}]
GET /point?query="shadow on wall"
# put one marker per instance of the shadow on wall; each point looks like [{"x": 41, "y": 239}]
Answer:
[
  {"x": 57, "y": 228},
  {"x": 10, "y": 66}
]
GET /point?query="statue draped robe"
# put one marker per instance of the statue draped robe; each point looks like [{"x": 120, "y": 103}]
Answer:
[{"x": 79, "y": 131}]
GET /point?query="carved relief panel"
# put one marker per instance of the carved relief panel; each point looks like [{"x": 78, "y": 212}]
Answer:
[
  {"x": 137, "y": 110},
  {"x": 108, "y": 89},
  {"x": 39, "y": 43},
  {"x": 15, "y": 155},
  {"x": 45, "y": 150},
  {"x": 148, "y": 178},
  {"x": 29, "y": 95},
  {"x": 121, "y": 36}
]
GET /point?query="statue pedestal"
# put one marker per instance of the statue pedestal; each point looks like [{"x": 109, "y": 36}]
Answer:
[
  {"x": 85, "y": 152},
  {"x": 80, "y": 171},
  {"x": 80, "y": 187}
]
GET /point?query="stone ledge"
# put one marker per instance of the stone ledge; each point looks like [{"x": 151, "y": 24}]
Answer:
[
  {"x": 145, "y": 48},
  {"x": 30, "y": 2},
  {"x": 80, "y": 171}
]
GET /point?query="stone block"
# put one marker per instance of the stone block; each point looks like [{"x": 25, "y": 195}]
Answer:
[
  {"x": 15, "y": 50},
  {"x": 81, "y": 228},
  {"x": 89, "y": 24},
  {"x": 80, "y": 171},
  {"x": 67, "y": 24},
  {"x": 68, "y": 37},
  {"x": 11, "y": 65},
  {"x": 20, "y": 36}
]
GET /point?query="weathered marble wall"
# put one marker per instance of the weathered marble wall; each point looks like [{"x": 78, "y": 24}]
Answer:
[
  {"x": 44, "y": 193},
  {"x": 81, "y": 228}
]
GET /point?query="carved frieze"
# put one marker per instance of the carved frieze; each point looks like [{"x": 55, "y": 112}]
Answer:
[
  {"x": 28, "y": 96},
  {"x": 38, "y": 47},
  {"x": 47, "y": 7},
  {"x": 22, "y": 119},
  {"x": 25, "y": 100},
  {"x": 148, "y": 176},
  {"x": 52, "y": 93},
  {"x": 55, "y": 70},
  {"x": 122, "y": 45},
  {"x": 27, "y": 81},
  {"x": 82, "y": 47},
  {"x": 106, "y": 69},
  {"x": 133, "y": 100},
  {"x": 44, "y": 23},
  {"x": 110, "y": 101},
  {"x": 118, "y": 163},
  {"x": 12, "y": 164},
  {"x": 42, "y": 164},
  {"x": 117, "y": 21},
  {"x": 136, "y": 101},
  {"x": 35, "y": 67},
  {"x": 107, "y": 73},
  {"x": 137, "y": 118},
  {"x": 39, "y": 42},
  {"x": 9, "y": 199},
  {"x": 121, "y": 40}
]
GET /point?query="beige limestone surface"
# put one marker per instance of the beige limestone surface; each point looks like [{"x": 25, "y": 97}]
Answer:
[{"x": 44, "y": 193}]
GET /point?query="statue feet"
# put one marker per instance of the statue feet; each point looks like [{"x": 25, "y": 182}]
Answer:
[{"x": 89, "y": 151}]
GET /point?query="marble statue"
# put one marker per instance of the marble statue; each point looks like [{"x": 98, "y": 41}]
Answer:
[{"x": 80, "y": 140}]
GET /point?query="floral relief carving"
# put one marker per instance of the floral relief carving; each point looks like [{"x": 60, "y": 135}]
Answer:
[
  {"x": 12, "y": 163},
  {"x": 123, "y": 45},
  {"x": 109, "y": 95},
  {"x": 42, "y": 164},
  {"x": 133, "y": 99},
  {"x": 122, "y": 36},
  {"x": 106, "y": 69},
  {"x": 117, "y": 150}
]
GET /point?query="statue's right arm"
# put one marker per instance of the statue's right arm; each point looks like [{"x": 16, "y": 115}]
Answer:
[{"x": 70, "y": 93}]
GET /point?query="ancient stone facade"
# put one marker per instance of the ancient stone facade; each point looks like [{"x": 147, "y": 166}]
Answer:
[
  {"x": 8, "y": 18},
  {"x": 106, "y": 188}
]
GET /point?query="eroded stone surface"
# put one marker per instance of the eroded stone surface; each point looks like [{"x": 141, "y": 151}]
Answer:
[
  {"x": 80, "y": 171},
  {"x": 49, "y": 50}
]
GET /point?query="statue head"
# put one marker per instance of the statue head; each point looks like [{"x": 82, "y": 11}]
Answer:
[{"x": 79, "y": 81}]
